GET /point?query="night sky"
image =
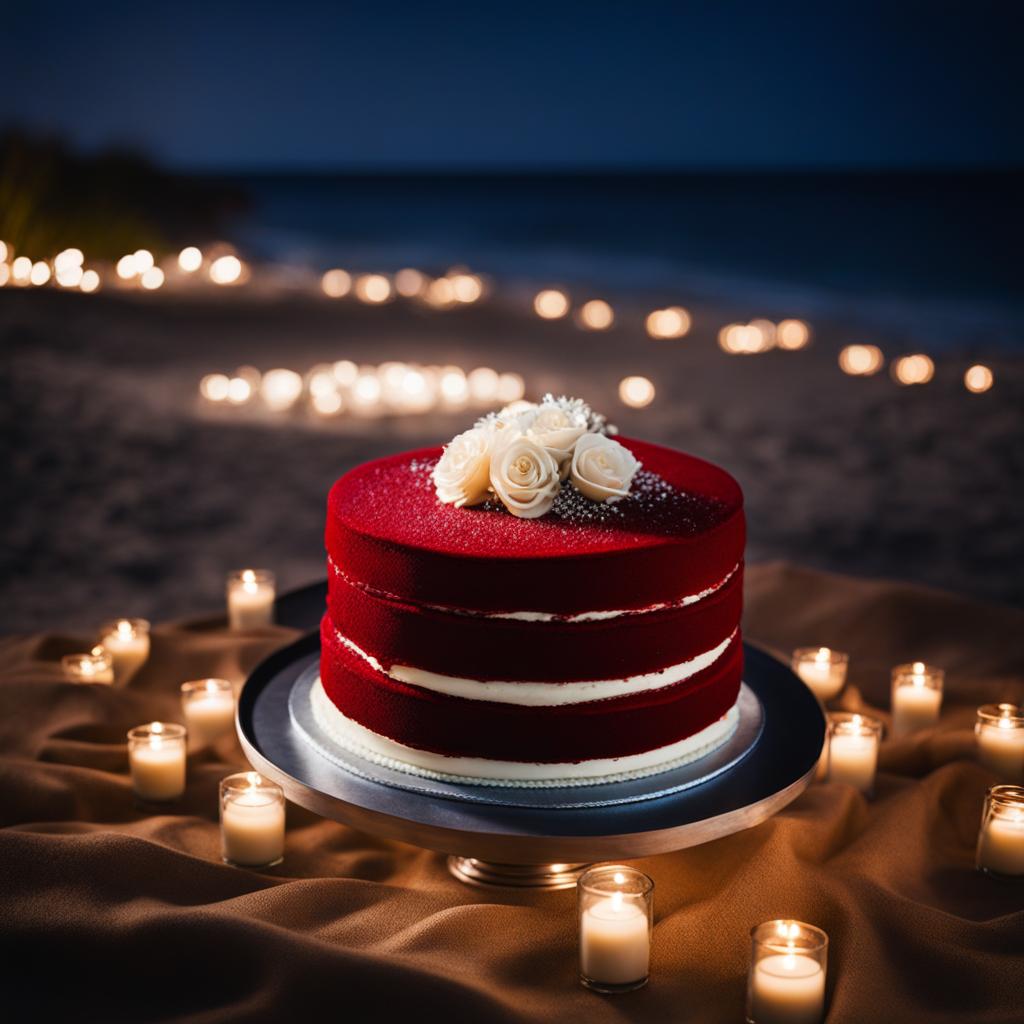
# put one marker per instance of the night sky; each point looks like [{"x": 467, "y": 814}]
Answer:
[{"x": 527, "y": 85}]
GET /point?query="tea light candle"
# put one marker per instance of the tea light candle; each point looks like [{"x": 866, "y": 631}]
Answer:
[
  {"x": 209, "y": 709},
  {"x": 853, "y": 750},
  {"x": 127, "y": 643},
  {"x": 1000, "y": 733},
  {"x": 1001, "y": 839},
  {"x": 95, "y": 667},
  {"x": 786, "y": 984},
  {"x": 916, "y": 697},
  {"x": 822, "y": 669},
  {"x": 251, "y": 820},
  {"x": 156, "y": 754},
  {"x": 615, "y": 905},
  {"x": 250, "y": 598}
]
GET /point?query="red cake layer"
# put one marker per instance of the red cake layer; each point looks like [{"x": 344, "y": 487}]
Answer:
[
  {"x": 477, "y": 647},
  {"x": 388, "y": 531},
  {"x": 507, "y": 732}
]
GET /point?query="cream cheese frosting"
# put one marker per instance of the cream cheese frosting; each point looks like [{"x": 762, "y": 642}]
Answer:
[
  {"x": 480, "y": 771},
  {"x": 539, "y": 694}
]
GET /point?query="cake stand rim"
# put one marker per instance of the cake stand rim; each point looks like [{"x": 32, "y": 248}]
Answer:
[{"x": 517, "y": 835}]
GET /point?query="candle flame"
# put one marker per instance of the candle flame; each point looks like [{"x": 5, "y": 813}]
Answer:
[
  {"x": 125, "y": 630},
  {"x": 156, "y": 728},
  {"x": 823, "y": 656},
  {"x": 857, "y": 721},
  {"x": 619, "y": 878},
  {"x": 253, "y": 778},
  {"x": 918, "y": 668},
  {"x": 616, "y": 901}
]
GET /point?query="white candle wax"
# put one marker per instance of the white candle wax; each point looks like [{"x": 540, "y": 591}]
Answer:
[
  {"x": 914, "y": 707},
  {"x": 252, "y": 828},
  {"x": 853, "y": 758},
  {"x": 209, "y": 716},
  {"x": 127, "y": 649},
  {"x": 615, "y": 942},
  {"x": 1001, "y": 845},
  {"x": 158, "y": 769},
  {"x": 787, "y": 988},
  {"x": 824, "y": 680},
  {"x": 250, "y": 602},
  {"x": 1001, "y": 750}
]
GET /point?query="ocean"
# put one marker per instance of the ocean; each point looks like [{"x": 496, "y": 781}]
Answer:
[{"x": 933, "y": 258}]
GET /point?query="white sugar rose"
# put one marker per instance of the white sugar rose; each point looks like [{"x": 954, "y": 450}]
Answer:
[
  {"x": 462, "y": 474},
  {"x": 553, "y": 428},
  {"x": 525, "y": 478},
  {"x": 602, "y": 469}
]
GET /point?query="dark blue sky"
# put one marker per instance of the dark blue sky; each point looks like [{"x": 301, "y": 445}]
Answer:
[{"x": 495, "y": 85}]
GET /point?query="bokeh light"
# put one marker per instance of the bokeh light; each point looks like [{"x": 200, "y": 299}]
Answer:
[
  {"x": 214, "y": 387},
  {"x": 551, "y": 304},
  {"x": 127, "y": 268},
  {"x": 409, "y": 283},
  {"x": 190, "y": 259},
  {"x": 441, "y": 293},
  {"x": 636, "y": 392},
  {"x": 336, "y": 283},
  {"x": 4, "y": 252},
  {"x": 345, "y": 372},
  {"x": 152, "y": 279},
  {"x": 5, "y": 273},
  {"x": 68, "y": 260},
  {"x": 239, "y": 391},
  {"x": 453, "y": 386},
  {"x": 978, "y": 379},
  {"x": 915, "y": 369},
  {"x": 466, "y": 288},
  {"x": 40, "y": 273},
  {"x": 511, "y": 388},
  {"x": 90, "y": 281},
  {"x": 792, "y": 335},
  {"x": 143, "y": 260},
  {"x": 280, "y": 389},
  {"x": 595, "y": 315},
  {"x": 328, "y": 403},
  {"x": 483, "y": 385},
  {"x": 366, "y": 390},
  {"x": 21, "y": 270},
  {"x": 672, "y": 322},
  {"x": 861, "y": 360},
  {"x": 226, "y": 270},
  {"x": 69, "y": 276},
  {"x": 373, "y": 288}
]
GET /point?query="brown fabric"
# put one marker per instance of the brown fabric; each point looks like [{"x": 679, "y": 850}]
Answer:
[{"x": 110, "y": 914}]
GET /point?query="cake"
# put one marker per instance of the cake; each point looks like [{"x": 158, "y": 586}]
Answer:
[{"x": 533, "y": 607}]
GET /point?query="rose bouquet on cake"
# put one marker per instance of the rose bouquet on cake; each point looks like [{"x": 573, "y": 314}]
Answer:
[{"x": 524, "y": 454}]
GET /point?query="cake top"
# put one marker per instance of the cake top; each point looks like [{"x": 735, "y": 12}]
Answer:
[{"x": 672, "y": 497}]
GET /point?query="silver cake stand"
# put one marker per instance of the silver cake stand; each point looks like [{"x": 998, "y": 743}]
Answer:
[{"x": 538, "y": 838}]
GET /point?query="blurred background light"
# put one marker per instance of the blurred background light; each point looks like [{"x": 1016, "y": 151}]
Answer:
[
  {"x": 336, "y": 283},
  {"x": 792, "y": 335},
  {"x": 595, "y": 315},
  {"x": 978, "y": 379},
  {"x": 915, "y": 369},
  {"x": 861, "y": 360},
  {"x": 551, "y": 304},
  {"x": 636, "y": 392},
  {"x": 190, "y": 259}
]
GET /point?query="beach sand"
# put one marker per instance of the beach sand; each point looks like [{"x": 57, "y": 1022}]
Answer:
[{"x": 128, "y": 496}]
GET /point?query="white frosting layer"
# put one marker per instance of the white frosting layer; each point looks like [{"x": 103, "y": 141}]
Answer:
[
  {"x": 485, "y": 772},
  {"x": 528, "y": 616},
  {"x": 534, "y": 694}
]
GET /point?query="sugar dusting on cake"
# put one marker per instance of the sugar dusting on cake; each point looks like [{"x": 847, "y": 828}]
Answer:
[{"x": 653, "y": 506}]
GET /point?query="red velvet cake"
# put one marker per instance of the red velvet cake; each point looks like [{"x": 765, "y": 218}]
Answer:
[{"x": 533, "y": 641}]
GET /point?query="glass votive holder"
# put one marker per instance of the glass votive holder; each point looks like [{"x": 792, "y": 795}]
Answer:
[
  {"x": 250, "y": 594},
  {"x": 156, "y": 755},
  {"x": 788, "y": 965},
  {"x": 853, "y": 742},
  {"x": 916, "y": 697},
  {"x": 95, "y": 667},
  {"x": 1001, "y": 839},
  {"x": 209, "y": 709},
  {"x": 615, "y": 906},
  {"x": 251, "y": 821},
  {"x": 822, "y": 669},
  {"x": 127, "y": 643},
  {"x": 1000, "y": 734}
]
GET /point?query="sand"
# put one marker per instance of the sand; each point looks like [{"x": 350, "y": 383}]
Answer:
[{"x": 128, "y": 496}]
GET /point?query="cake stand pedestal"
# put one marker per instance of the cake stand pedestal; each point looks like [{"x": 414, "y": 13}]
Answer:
[{"x": 537, "y": 838}]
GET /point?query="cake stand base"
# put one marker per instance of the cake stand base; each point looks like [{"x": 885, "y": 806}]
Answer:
[{"x": 485, "y": 873}]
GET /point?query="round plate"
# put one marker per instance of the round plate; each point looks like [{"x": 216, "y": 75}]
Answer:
[{"x": 776, "y": 769}]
